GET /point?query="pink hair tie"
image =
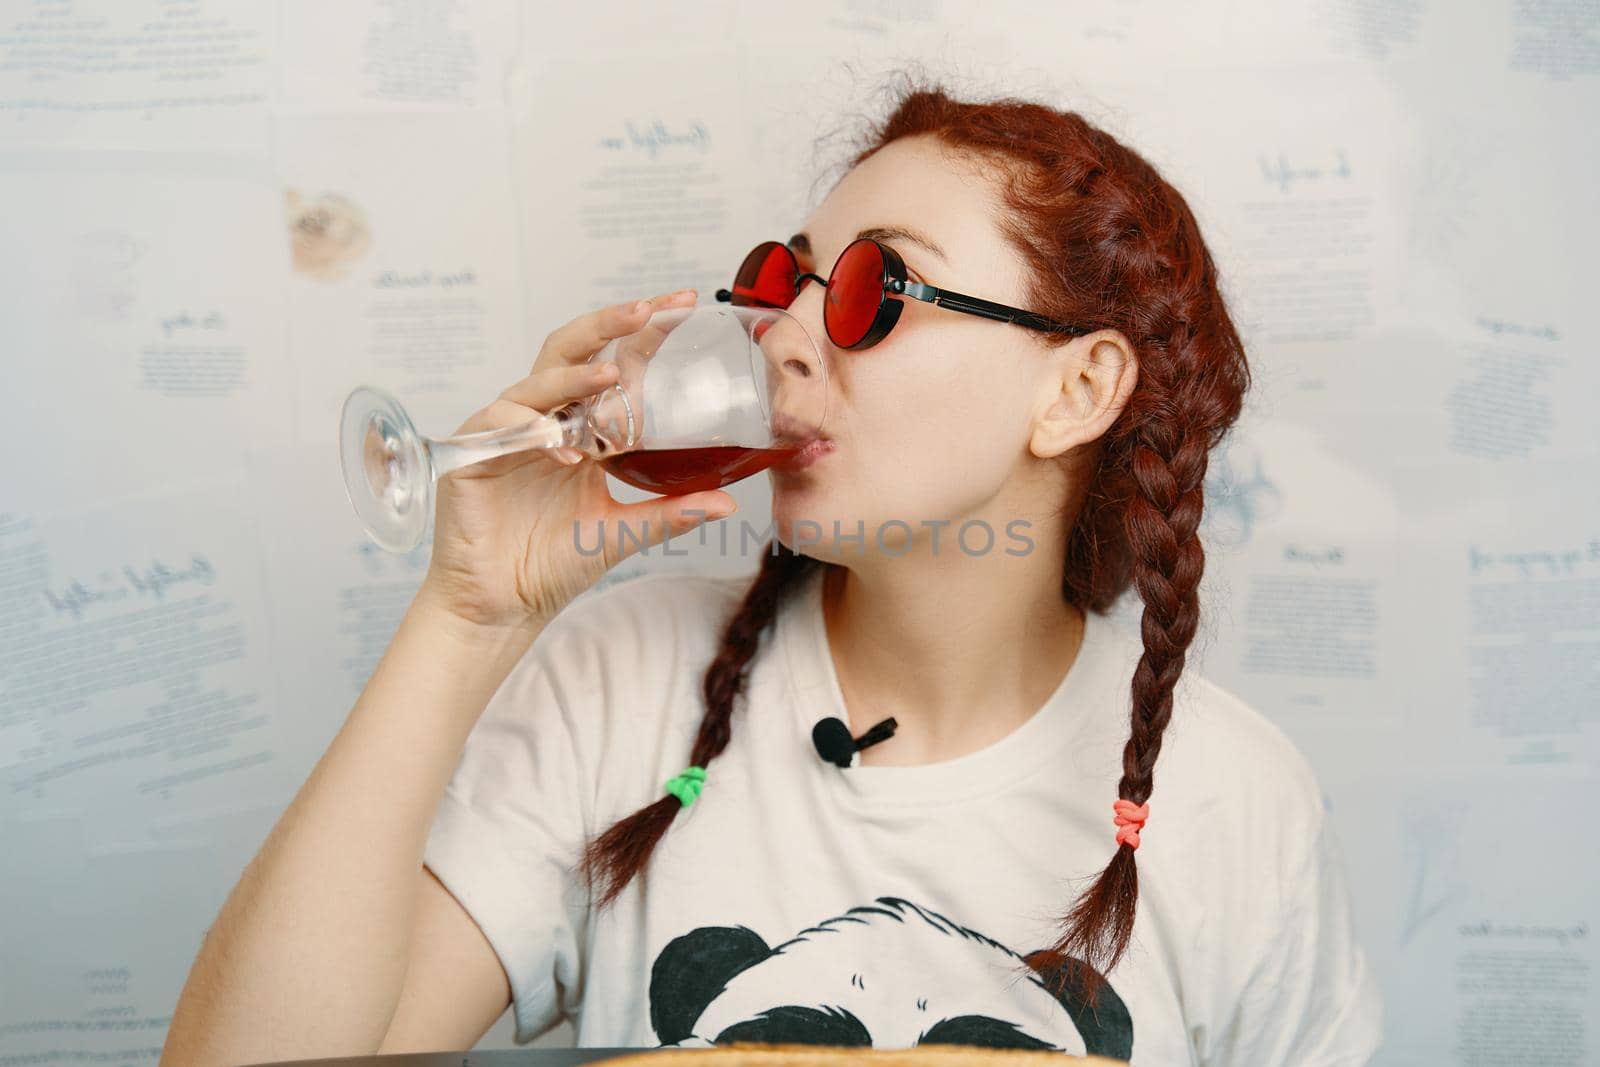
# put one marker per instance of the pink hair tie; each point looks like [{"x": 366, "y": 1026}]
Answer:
[{"x": 1130, "y": 819}]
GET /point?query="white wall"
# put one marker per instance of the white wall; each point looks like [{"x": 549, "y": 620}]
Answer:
[{"x": 1404, "y": 565}]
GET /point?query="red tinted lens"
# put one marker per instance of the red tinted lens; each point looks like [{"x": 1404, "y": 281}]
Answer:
[
  {"x": 854, "y": 293},
  {"x": 766, "y": 278}
]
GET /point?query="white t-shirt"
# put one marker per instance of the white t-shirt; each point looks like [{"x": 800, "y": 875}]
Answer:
[{"x": 796, "y": 900}]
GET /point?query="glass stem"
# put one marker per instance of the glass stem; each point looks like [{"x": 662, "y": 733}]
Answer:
[{"x": 563, "y": 428}]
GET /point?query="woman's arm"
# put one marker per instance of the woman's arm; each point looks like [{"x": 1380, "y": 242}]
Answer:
[{"x": 308, "y": 956}]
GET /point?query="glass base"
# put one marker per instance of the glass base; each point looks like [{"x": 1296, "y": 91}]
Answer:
[{"x": 386, "y": 471}]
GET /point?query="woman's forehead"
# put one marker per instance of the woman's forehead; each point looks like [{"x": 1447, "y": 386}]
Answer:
[{"x": 923, "y": 197}]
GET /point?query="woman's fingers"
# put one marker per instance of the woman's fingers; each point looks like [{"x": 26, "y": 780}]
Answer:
[
  {"x": 587, "y": 334},
  {"x": 563, "y": 373},
  {"x": 540, "y": 393},
  {"x": 545, "y": 390},
  {"x": 650, "y": 522},
  {"x": 498, "y": 415}
]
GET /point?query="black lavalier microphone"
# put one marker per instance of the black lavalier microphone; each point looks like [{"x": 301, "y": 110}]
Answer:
[{"x": 834, "y": 743}]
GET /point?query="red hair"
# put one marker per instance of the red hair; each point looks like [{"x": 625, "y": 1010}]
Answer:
[{"x": 1109, "y": 245}]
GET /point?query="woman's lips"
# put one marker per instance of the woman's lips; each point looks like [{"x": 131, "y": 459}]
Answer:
[
  {"x": 808, "y": 454},
  {"x": 790, "y": 432}
]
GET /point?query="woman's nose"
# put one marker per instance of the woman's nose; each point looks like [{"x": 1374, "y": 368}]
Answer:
[{"x": 797, "y": 370}]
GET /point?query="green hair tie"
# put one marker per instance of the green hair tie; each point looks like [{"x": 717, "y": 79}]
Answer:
[{"x": 686, "y": 786}]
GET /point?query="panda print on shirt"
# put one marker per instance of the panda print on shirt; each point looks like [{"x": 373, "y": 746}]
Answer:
[{"x": 889, "y": 974}]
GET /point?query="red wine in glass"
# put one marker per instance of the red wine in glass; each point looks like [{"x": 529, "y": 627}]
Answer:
[{"x": 678, "y": 471}]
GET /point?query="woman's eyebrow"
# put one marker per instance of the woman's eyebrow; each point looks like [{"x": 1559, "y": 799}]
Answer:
[{"x": 802, "y": 243}]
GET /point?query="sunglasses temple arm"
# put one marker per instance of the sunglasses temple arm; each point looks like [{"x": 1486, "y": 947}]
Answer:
[{"x": 973, "y": 305}]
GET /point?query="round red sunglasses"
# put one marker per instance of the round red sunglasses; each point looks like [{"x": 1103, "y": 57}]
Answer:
[{"x": 861, "y": 306}]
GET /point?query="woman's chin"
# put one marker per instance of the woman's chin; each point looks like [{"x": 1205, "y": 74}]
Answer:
[
  {"x": 795, "y": 498},
  {"x": 804, "y": 522}
]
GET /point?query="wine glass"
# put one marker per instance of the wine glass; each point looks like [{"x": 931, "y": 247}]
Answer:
[{"x": 706, "y": 395}]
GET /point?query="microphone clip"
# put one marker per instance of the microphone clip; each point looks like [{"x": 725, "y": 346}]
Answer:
[{"x": 833, "y": 742}]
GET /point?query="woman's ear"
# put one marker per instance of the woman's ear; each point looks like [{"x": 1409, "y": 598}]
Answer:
[{"x": 1096, "y": 375}]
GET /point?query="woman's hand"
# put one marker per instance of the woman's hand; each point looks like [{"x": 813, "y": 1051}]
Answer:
[{"x": 507, "y": 530}]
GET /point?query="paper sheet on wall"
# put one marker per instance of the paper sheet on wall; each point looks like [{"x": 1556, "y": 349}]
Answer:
[
  {"x": 93, "y": 977},
  {"x": 144, "y": 322},
  {"x": 1476, "y": 966},
  {"x": 432, "y": 55},
  {"x": 404, "y": 266},
  {"x": 139, "y": 74},
  {"x": 139, "y": 671}
]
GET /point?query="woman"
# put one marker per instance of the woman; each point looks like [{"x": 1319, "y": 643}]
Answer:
[{"x": 970, "y": 880}]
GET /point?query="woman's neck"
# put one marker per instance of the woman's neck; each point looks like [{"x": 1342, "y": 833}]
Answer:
[{"x": 961, "y": 651}]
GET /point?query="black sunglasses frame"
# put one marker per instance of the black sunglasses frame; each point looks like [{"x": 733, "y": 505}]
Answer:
[{"x": 896, "y": 282}]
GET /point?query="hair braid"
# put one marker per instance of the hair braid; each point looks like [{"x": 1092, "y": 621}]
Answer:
[
  {"x": 1161, "y": 521},
  {"x": 1192, "y": 380},
  {"x": 618, "y": 855}
]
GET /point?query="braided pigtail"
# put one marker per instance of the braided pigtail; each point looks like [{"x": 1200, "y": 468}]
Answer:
[
  {"x": 1161, "y": 524},
  {"x": 615, "y": 857},
  {"x": 1152, "y": 485}
]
